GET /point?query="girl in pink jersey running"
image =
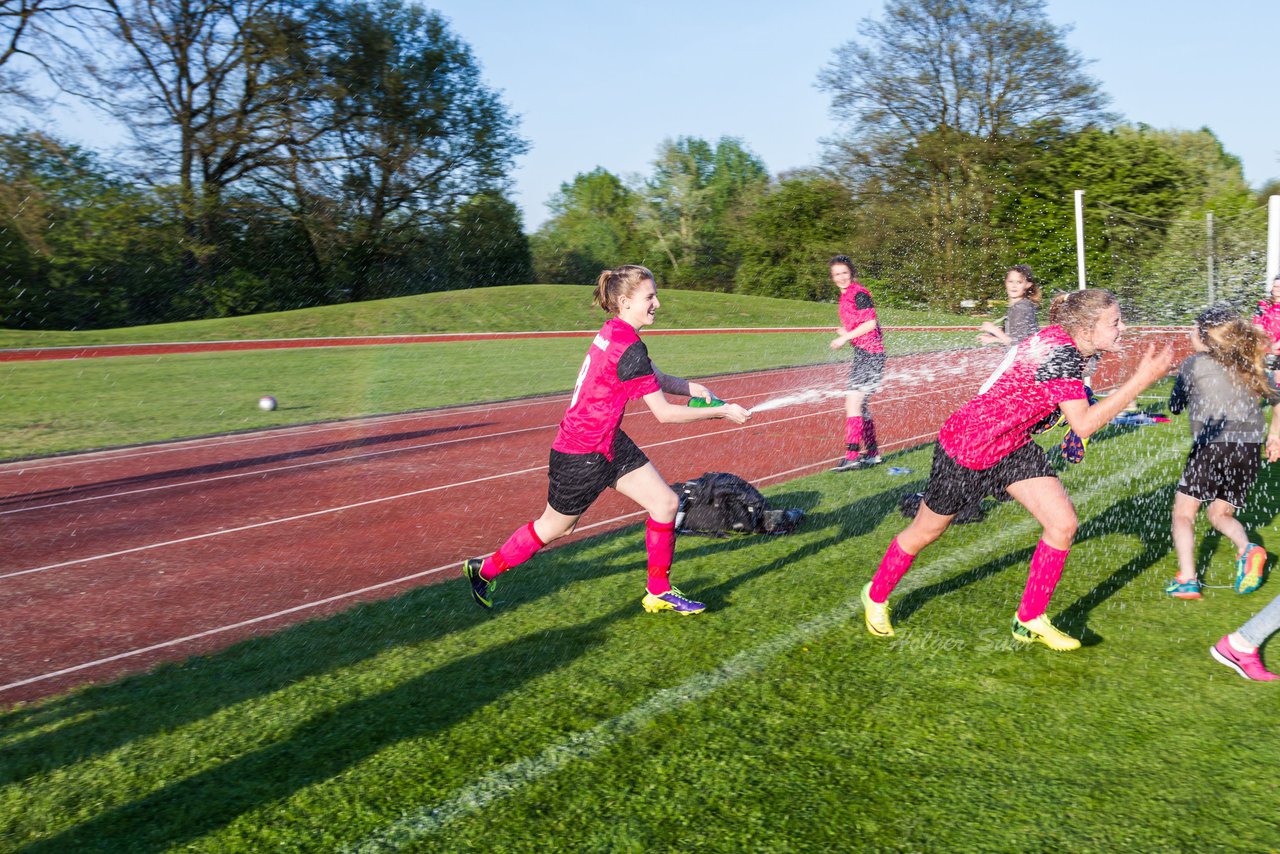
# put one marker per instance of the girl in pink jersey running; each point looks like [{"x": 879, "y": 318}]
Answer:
[
  {"x": 591, "y": 453},
  {"x": 860, "y": 329},
  {"x": 986, "y": 448}
]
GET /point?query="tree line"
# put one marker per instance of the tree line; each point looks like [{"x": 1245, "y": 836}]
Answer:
[{"x": 288, "y": 153}]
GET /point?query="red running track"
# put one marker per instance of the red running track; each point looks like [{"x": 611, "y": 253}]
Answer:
[{"x": 117, "y": 560}]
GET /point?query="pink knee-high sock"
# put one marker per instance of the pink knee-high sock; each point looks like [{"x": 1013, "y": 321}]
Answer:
[
  {"x": 1046, "y": 569},
  {"x": 518, "y": 548},
  {"x": 660, "y": 542},
  {"x": 853, "y": 436},
  {"x": 895, "y": 564},
  {"x": 870, "y": 448}
]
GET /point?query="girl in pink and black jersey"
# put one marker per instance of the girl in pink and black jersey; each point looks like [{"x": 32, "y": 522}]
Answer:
[
  {"x": 1268, "y": 318},
  {"x": 860, "y": 329},
  {"x": 986, "y": 448},
  {"x": 590, "y": 451}
]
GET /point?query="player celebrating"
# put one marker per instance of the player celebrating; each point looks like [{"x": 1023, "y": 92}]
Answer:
[
  {"x": 590, "y": 451},
  {"x": 860, "y": 329},
  {"x": 1221, "y": 385},
  {"x": 985, "y": 448}
]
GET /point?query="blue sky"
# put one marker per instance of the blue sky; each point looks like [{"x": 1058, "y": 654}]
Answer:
[{"x": 604, "y": 83}]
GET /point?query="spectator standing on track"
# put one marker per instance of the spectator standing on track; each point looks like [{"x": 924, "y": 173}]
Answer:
[
  {"x": 1268, "y": 318},
  {"x": 985, "y": 447},
  {"x": 590, "y": 451},
  {"x": 1221, "y": 385},
  {"x": 860, "y": 329},
  {"x": 1020, "y": 321}
]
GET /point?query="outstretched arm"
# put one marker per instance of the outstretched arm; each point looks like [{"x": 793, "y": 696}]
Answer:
[
  {"x": 673, "y": 413},
  {"x": 682, "y": 387},
  {"x": 1086, "y": 420}
]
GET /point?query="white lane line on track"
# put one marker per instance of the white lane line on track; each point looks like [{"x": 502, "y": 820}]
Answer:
[
  {"x": 411, "y": 827},
  {"x": 345, "y": 459},
  {"x": 355, "y": 505},
  {"x": 424, "y": 491},
  {"x": 133, "y": 653},
  {"x": 175, "y": 445}
]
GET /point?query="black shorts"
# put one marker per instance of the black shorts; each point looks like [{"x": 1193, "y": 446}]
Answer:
[
  {"x": 1221, "y": 470},
  {"x": 952, "y": 487},
  {"x": 865, "y": 371},
  {"x": 576, "y": 480}
]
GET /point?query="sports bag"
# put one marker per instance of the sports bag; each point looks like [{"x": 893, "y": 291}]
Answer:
[{"x": 719, "y": 504}]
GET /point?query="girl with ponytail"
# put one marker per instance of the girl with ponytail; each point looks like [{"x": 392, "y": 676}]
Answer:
[
  {"x": 985, "y": 448},
  {"x": 591, "y": 453}
]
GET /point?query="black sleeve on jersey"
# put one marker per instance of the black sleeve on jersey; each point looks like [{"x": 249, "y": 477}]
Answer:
[
  {"x": 862, "y": 301},
  {"x": 1181, "y": 394},
  {"x": 1064, "y": 363},
  {"x": 635, "y": 362}
]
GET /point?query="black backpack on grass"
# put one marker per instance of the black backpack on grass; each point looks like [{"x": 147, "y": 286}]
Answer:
[{"x": 719, "y": 504}]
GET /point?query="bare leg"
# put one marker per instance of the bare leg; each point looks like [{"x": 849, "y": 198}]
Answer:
[
  {"x": 1184, "y": 538},
  {"x": 1046, "y": 500},
  {"x": 552, "y": 524},
  {"x": 924, "y": 529},
  {"x": 646, "y": 487},
  {"x": 1223, "y": 517}
]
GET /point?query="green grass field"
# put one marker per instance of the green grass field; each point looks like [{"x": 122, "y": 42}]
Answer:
[
  {"x": 568, "y": 719},
  {"x": 57, "y": 406},
  {"x": 512, "y": 308}
]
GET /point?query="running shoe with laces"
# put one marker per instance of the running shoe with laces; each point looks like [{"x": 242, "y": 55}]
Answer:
[
  {"x": 858, "y": 463},
  {"x": 481, "y": 588},
  {"x": 1184, "y": 589},
  {"x": 1249, "y": 568},
  {"x": 1040, "y": 630},
  {"x": 876, "y": 614},
  {"x": 672, "y": 600},
  {"x": 1247, "y": 664}
]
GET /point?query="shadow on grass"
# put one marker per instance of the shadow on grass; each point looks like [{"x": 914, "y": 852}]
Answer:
[
  {"x": 329, "y": 744},
  {"x": 99, "y": 718}
]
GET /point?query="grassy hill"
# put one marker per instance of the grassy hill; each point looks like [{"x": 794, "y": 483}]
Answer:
[{"x": 513, "y": 308}]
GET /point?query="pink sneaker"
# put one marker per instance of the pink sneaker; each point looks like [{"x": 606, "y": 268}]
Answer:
[{"x": 1247, "y": 664}]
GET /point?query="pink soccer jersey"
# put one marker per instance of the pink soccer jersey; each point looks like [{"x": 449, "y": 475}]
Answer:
[
  {"x": 1042, "y": 371},
  {"x": 856, "y": 308},
  {"x": 1268, "y": 317},
  {"x": 616, "y": 369}
]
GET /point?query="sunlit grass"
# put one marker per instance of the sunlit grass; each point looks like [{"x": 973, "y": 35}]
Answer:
[
  {"x": 54, "y": 406},
  {"x": 568, "y": 719}
]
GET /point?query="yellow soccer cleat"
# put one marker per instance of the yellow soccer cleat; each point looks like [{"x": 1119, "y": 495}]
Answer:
[
  {"x": 672, "y": 600},
  {"x": 876, "y": 614},
  {"x": 1040, "y": 630}
]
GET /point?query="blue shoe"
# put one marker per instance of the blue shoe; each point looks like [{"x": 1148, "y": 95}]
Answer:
[
  {"x": 1249, "y": 568},
  {"x": 481, "y": 589},
  {"x": 672, "y": 600},
  {"x": 1184, "y": 589}
]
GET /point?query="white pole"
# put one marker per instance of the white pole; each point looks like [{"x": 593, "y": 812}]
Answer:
[
  {"x": 1209, "y": 244},
  {"x": 1080, "y": 235},
  {"x": 1273, "y": 241}
]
